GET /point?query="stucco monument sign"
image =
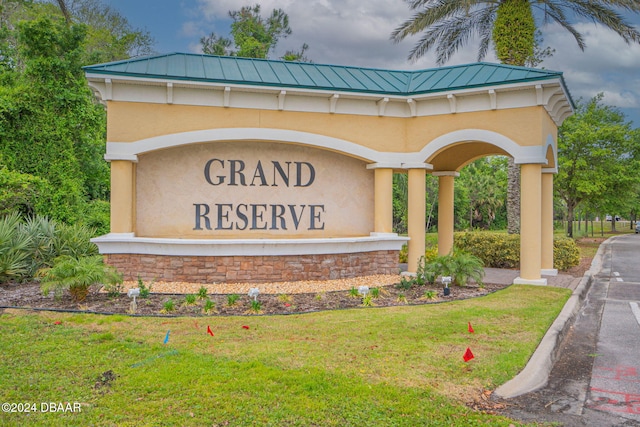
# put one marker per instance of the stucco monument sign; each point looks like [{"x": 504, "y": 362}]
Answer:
[{"x": 235, "y": 169}]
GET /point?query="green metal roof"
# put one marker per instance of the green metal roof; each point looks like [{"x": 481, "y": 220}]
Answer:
[{"x": 262, "y": 72}]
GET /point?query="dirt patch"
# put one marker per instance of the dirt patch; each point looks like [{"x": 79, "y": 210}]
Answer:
[{"x": 29, "y": 295}]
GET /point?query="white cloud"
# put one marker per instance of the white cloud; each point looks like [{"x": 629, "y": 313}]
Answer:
[{"x": 356, "y": 33}]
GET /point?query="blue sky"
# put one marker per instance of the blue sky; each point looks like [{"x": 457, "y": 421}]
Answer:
[{"x": 356, "y": 32}]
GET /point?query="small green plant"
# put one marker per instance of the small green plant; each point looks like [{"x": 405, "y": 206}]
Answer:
[
  {"x": 405, "y": 283},
  {"x": 353, "y": 292},
  {"x": 401, "y": 298},
  {"x": 168, "y": 306},
  {"x": 190, "y": 299},
  {"x": 144, "y": 290},
  {"x": 113, "y": 289},
  {"x": 431, "y": 295},
  {"x": 320, "y": 296},
  {"x": 209, "y": 306},
  {"x": 77, "y": 275},
  {"x": 284, "y": 298},
  {"x": 367, "y": 300},
  {"x": 256, "y": 307},
  {"x": 375, "y": 293},
  {"x": 202, "y": 293},
  {"x": 232, "y": 299}
]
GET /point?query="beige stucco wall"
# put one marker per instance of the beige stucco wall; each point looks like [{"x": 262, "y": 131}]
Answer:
[
  {"x": 174, "y": 198},
  {"x": 128, "y": 122}
]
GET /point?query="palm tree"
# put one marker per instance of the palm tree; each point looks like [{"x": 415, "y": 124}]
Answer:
[{"x": 511, "y": 25}]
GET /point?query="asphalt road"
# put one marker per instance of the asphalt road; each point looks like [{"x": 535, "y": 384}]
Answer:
[{"x": 596, "y": 379}]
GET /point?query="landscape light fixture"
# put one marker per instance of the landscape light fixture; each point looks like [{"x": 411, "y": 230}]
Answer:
[
  {"x": 445, "y": 281},
  {"x": 363, "y": 290},
  {"x": 253, "y": 293},
  {"x": 133, "y": 293}
]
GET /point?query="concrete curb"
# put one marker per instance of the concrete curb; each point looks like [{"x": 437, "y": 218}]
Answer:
[{"x": 535, "y": 374}]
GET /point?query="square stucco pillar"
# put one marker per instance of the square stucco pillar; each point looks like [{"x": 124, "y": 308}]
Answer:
[
  {"x": 416, "y": 217},
  {"x": 383, "y": 199},
  {"x": 445, "y": 211},
  {"x": 122, "y": 196},
  {"x": 547, "y": 225},
  {"x": 530, "y": 225}
]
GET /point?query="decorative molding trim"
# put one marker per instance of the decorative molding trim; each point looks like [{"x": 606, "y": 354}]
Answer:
[
  {"x": 452, "y": 103},
  {"x": 533, "y": 154},
  {"x": 127, "y": 243},
  {"x": 446, "y": 173},
  {"x": 547, "y": 93}
]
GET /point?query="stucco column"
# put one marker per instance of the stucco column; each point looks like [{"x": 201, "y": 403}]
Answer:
[
  {"x": 122, "y": 196},
  {"x": 530, "y": 225},
  {"x": 416, "y": 217},
  {"x": 383, "y": 199},
  {"x": 547, "y": 225},
  {"x": 445, "y": 211}
]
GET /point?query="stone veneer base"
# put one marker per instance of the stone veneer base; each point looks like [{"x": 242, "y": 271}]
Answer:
[{"x": 253, "y": 269}]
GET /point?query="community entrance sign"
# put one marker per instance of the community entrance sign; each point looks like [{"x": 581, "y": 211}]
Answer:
[{"x": 235, "y": 169}]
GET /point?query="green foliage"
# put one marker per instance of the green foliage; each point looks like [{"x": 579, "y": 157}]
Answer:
[
  {"x": 480, "y": 198},
  {"x": 367, "y": 301},
  {"x": 405, "y": 283},
  {"x": 114, "y": 290},
  {"x": 499, "y": 250},
  {"x": 598, "y": 160},
  {"x": 353, "y": 292},
  {"x": 566, "y": 253},
  {"x": 190, "y": 299},
  {"x": 232, "y": 299},
  {"x": 20, "y": 192},
  {"x": 461, "y": 266},
  {"x": 514, "y": 32},
  {"x": 209, "y": 306},
  {"x": 50, "y": 126},
  {"x": 375, "y": 293},
  {"x": 256, "y": 306},
  {"x": 168, "y": 306},
  {"x": 430, "y": 294},
  {"x": 253, "y": 35},
  {"x": 144, "y": 289},
  {"x": 77, "y": 275},
  {"x": 27, "y": 246},
  {"x": 202, "y": 293},
  {"x": 14, "y": 244},
  {"x": 447, "y": 26}
]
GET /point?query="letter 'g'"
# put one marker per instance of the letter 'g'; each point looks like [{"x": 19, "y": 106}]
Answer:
[{"x": 207, "y": 172}]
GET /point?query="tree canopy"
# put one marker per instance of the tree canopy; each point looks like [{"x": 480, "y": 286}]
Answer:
[
  {"x": 52, "y": 130},
  {"x": 253, "y": 35},
  {"x": 598, "y": 160}
]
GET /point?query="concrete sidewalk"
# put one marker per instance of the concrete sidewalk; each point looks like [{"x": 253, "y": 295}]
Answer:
[{"x": 502, "y": 276}]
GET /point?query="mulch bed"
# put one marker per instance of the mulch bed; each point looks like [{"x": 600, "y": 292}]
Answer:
[{"x": 29, "y": 296}]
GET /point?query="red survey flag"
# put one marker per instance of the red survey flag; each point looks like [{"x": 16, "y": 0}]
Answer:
[
  {"x": 209, "y": 331},
  {"x": 245, "y": 327},
  {"x": 471, "y": 328},
  {"x": 468, "y": 355}
]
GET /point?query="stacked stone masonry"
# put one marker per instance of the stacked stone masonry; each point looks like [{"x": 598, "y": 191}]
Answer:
[{"x": 253, "y": 269}]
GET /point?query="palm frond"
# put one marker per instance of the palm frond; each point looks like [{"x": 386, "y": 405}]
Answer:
[{"x": 450, "y": 35}]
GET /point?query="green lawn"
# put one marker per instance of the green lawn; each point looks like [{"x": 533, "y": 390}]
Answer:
[{"x": 399, "y": 366}]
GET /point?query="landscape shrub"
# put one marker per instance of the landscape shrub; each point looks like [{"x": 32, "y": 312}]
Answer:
[
  {"x": 499, "y": 250},
  {"x": 566, "y": 253},
  {"x": 77, "y": 275},
  {"x": 27, "y": 246}
]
